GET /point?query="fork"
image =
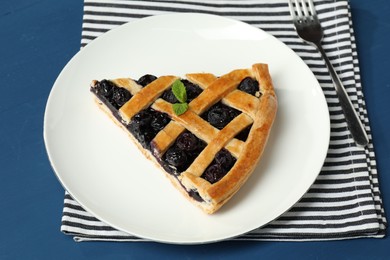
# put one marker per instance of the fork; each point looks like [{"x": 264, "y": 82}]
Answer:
[{"x": 309, "y": 29}]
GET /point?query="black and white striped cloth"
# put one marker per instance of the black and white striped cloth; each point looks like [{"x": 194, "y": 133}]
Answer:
[{"x": 344, "y": 202}]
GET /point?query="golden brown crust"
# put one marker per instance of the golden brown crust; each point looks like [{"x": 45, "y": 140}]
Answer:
[{"x": 258, "y": 111}]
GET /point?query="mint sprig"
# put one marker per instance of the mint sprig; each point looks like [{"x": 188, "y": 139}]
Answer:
[
  {"x": 179, "y": 91},
  {"x": 180, "y": 108}
]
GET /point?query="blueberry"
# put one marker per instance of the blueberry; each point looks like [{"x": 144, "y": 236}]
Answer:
[
  {"x": 176, "y": 157},
  {"x": 249, "y": 85},
  {"x": 143, "y": 118},
  {"x": 120, "y": 96},
  {"x": 213, "y": 173},
  {"x": 187, "y": 142},
  {"x": 192, "y": 90},
  {"x": 169, "y": 96},
  {"x": 225, "y": 159},
  {"x": 218, "y": 117},
  {"x": 104, "y": 88},
  {"x": 146, "y": 80},
  {"x": 159, "y": 121}
]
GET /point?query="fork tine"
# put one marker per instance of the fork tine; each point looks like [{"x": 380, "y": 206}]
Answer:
[
  {"x": 292, "y": 10},
  {"x": 304, "y": 7},
  {"x": 312, "y": 9},
  {"x": 298, "y": 10}
]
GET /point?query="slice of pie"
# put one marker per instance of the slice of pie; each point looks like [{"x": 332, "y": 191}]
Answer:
[{"x": 206, "y": 133}]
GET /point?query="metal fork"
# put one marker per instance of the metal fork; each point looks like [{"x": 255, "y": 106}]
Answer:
[{"x": 309, "y": 29}]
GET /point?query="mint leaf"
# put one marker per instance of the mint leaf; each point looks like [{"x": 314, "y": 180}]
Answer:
[
  {"x": 179, "y": 90},
  {"x": 179, "y": 108}
]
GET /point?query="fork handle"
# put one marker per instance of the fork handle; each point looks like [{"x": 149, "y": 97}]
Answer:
[{"x": 355, "y": 125}]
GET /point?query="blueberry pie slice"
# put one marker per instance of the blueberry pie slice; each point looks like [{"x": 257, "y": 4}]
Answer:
[{"x": 206, "y": 133}]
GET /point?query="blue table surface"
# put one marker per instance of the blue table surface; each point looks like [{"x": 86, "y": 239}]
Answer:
[{"x": 38, "y": 37}]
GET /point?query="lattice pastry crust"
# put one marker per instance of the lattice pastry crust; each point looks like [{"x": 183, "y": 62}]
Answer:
[{"x": 254, "y": 111}]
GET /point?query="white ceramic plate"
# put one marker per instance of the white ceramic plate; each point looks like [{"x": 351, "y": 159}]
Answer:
[{"x": 100, "y": 167}]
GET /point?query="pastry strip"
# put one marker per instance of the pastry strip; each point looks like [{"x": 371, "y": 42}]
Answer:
[{"x": 145, "y": 97}]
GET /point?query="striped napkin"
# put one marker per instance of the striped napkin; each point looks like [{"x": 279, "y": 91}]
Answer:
[{"x": 344, "y": 202}]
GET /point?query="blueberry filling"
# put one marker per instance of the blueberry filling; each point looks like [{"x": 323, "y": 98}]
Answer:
[
  {"x": 146, "y": 80},
  {"x": 159, "y": 121},
  {"x": 219, "y": 115},
  {"x": 225, "y": 159},
  {"x": 249, "y": 85},
  {"x": 104, "y": 88},
  {"x": 169, "y": 96},
  {"x": 187, "y": 142},
  {"x": 120, "y": 96},
  {"x": 176, "y": 158},
  {"x": 146, "y": 124},
  {"x": 213, "y": 173},
  {"x": 182, "y": 153},
  {"x": 180, "y": 156},
  {"x": 195, "y": 195},
  {"x": 192, "y": 92},
  {"x": 111, "y": 94},
  {"x": 243, "y": 135},
  {"x": 222, "y": 163}
]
